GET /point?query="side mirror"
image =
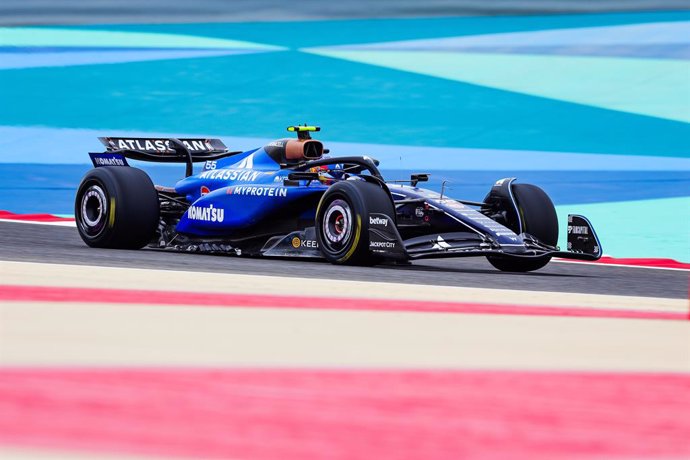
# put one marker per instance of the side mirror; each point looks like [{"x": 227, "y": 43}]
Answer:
[
  {"x": 416, "y": 178},
  {"x": 303, "y": 175}
]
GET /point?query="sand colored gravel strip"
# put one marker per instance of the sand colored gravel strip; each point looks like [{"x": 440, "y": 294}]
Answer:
[
  {"x": 36, "y": 453},
  {"x": 106, "y": 334}
]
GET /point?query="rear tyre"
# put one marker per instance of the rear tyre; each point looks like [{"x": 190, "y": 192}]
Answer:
[
  {"x": 116, "y": 207},
  {"x": 539, "y": 219},
  {"x": 342, "y": 221}
]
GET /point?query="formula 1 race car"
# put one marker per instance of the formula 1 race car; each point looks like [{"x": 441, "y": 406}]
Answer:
[{"x": 290, "y": 199}]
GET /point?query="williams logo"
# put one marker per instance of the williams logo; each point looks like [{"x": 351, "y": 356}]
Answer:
[
  {"x": 378, "y": 221},
  {"x": 209, "y": 214},
  {"x": 440, "y": 244}
]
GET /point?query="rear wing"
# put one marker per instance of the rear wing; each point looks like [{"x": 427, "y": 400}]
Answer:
[{"x": 160, "y": 150}]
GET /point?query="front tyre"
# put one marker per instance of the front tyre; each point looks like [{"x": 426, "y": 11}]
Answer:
[
  {"x": 518, "y": 265},
  {"x": 342, "y": 221},
  {"x": 116, "y": 207},
  {"x": 539, "y": 219}
]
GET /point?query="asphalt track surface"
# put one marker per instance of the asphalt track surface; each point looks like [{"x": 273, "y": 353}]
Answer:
[{"x": 62, "y": 245}]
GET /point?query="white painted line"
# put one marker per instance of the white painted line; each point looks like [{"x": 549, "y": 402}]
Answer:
[{"x": 64, "y": 223}]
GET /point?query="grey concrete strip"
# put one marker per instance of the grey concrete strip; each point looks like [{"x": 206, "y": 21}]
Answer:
[{"x": 52, "y": 244}]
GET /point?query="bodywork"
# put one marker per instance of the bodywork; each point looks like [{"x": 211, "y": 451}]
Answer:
[{"x": 257, "y": 203}]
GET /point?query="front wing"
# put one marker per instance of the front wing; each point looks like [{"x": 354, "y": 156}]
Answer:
[{"x": 582, "y": 243}]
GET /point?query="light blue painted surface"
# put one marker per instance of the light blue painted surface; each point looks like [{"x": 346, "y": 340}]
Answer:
[
  {"x": 647, "y": 228},
  {"x": 652, "y": 33},
  {"x": 63, "y": 59},
  {"x": 650, "y": 87},
  {"x": 75, "y": 37}
]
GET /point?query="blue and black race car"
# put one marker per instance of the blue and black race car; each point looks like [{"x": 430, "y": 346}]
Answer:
[{"x": 291, "y": 199}]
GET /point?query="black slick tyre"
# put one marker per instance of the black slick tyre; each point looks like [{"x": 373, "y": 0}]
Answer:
[
  {"x": 342, "y": 221},
  {"x": 539, "y": 219},
  {"x": 116, "y": 207}
]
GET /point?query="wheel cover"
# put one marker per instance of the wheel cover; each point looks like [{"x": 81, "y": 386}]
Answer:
[
  {"x": 93, "y": 210},
  {"x": 337, "y": 225}
]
